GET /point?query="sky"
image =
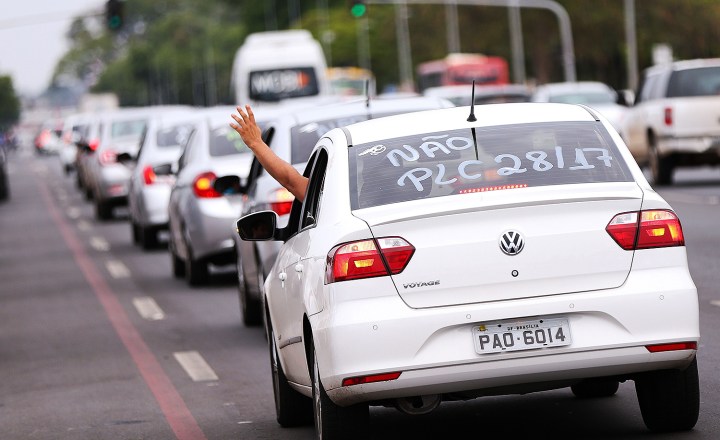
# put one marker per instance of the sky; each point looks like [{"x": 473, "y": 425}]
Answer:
[{"x": 32, "y": 38}]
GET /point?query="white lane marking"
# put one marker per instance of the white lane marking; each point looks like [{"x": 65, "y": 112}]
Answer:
[
  {"x": 245, "y": 423},
  {"x": 715, "y": 303},
  {"x": 195, "y": 366},
  {"x": 73, "y": 212},
  {"x": 148, "y": 308},
  {"x": 117, "y": 269},
  {"x": 99, "y": 244},
  {"x": 84, "y": 225}
]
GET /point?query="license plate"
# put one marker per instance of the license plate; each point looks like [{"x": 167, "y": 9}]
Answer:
[{"x": 521, "y": 335}]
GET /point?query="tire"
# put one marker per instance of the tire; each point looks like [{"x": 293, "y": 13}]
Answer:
[
  {"x": 178, "y": 265},
  {"x": 291, "y": 408},
  {"x": 589, "y": 389},
  {"x": 196, "y": 271},
  {"x": 333, "y": 422},
  {"x": 135, "y": 231},
  {"x": 660, "y": 167},
  {"x": 250, "y": 308},
  {"x": 669, "y": 399},
  {"x": 103, "y": 210},
  {"x": 148, "y": 237},
  {"x": 88, "y": 193}
]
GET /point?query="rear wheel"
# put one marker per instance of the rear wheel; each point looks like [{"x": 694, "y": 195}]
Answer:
[
  {"x": 595, "y": 388},
  {"x": 103, "y": 210},
  {"x": 148, "y": 237},
  {"x": 178, "y": 265},
  {"x": 250, "y": 307},
  {"x": 669, "y": 399},
  {"x": 660, "y": 167},
  {"x": 135, "y": 230},
  {"x": 291, "y": 407},
  {"x": 196, "y": 271},
  {"x": 333, "y": 421}
]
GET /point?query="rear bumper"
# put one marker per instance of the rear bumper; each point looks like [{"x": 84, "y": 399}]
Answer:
[
  {"x": 434, "y": 350},
  {"x": 704, "y": 144},
  {"x": 211, "y": 228}
]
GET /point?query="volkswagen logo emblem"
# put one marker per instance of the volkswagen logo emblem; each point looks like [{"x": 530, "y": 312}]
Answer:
[{"x": 511, "y": 243}]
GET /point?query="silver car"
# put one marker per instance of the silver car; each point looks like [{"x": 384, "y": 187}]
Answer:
[
  {"x": 293, "y": 137},
  {"x": 149, "y": 193},
  {"x": 106, "y": 173},
  {"x": 201, "y": 219}
]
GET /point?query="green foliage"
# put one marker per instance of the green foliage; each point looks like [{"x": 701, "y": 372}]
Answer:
[
  {"x": 181, "y": 51},
  {"x": 9, "y": 104}
]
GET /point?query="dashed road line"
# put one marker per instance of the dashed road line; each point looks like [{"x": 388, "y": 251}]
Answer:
[
  {"x": 195, "y": 366},
  {"x": 117, "y": 269},
  {"x": 73, "y": 212},
  {"x": 148, "y": 308},
  {"x": 84, "y": 225},
  {"x": 715, "y": 303},
  {"x": 99, "y": 244}
]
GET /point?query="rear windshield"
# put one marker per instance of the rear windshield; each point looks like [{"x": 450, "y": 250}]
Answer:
[
  {"x": 585, "y": 98},
  {"x": 703, "y": 81},
  {"x": 277, "y": 84},
  {"x": 304, "y": 137},
  {"x": 174, "y": 136},
  {"x": 225, "y": 141},
  {"x": 132, "y": 129},
  {"x": 509, "y": 157}
]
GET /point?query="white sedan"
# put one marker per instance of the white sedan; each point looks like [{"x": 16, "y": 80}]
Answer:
[{"x": 451, "y": 254}]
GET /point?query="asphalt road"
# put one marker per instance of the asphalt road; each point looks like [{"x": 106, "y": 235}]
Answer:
[{"x": 78, "y": 360}]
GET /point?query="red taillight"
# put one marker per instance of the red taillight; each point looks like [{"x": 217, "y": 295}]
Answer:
[
  {"x": 93, "y": 144},
  {"x": 203, "y": 186},
  {"x": 348, "y": 381},
  {"x": 108, "y": 157},
  {"x": 367, "y": 259},
  {"x": 646, "y": 229},
  {"x": 281, "y": 201},
  {"x": 668, "y": 116},
  {"x": 672, "y": 347},
  {"x": 149, "y": 176}
]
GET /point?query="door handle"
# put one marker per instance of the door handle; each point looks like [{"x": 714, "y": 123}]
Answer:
[
  {"x": 282, "y": 276},
  {"x": 298, "y": 268}
]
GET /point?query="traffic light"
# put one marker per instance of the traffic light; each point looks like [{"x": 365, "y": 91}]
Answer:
[
  {"x": 358, "y": 8},
  {"x": 115, "y": 14}
]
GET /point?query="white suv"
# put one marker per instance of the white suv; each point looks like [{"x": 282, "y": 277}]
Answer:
[{"x": 676, "y": 117}]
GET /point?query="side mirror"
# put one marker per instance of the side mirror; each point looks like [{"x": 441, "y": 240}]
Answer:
[
  {"x": 229, "y": 185},
  {"x": 165, "y": 169},
  {"x": 258, "y": 226},
  {"x": 125, "y": 158}
]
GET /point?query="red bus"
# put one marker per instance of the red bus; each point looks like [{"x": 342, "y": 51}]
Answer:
[{"x": 462, "y": 68}]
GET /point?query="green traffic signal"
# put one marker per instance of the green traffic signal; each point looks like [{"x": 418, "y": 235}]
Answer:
[{"x": 358, "y": 9}]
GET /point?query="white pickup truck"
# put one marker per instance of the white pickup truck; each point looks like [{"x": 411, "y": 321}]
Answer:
[{"x": 675, "y": 120}]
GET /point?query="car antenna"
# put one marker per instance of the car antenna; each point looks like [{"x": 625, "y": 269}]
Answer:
[
  {"x": 367, "y": 97},
  {"x": 472, "y": 117}
]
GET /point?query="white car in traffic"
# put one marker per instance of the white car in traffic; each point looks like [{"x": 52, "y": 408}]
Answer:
[{"x": 452, "y": 254}]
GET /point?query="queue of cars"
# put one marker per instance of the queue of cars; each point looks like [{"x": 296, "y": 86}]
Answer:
[{"x": 440, "y": 253}]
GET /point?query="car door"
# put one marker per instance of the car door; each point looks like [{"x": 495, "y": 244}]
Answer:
[{"x": 298, "y": 274}]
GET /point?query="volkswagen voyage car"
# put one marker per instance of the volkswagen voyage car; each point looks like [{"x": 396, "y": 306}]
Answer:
[{"x": 450, "y": 254}]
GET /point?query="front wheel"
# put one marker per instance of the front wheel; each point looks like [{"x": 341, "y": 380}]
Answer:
[
  {"x": 333, "y": 422},
  {"x": 669, "y": 399}
]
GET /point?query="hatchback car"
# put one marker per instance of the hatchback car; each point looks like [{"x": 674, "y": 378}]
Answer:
[
  {"x": 292, "y": 137},
  {"x": 118, "y": 134},
  {"x": 148, "y": 193},
  {"x": 451, "y": 254}
]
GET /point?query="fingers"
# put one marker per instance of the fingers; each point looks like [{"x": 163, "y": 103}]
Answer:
[{"x": 250, "y": 113}]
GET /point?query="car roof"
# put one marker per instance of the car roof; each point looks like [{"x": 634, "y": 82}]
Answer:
[
  {"x": 480, "y": 90},
  {"x": 360, "y": 106},
  {"x": 685, "y": 64},
  {"x": 487, "y": 115}
]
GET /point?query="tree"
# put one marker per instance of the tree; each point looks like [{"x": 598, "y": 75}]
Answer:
[{"x": 9, "y": 104}]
